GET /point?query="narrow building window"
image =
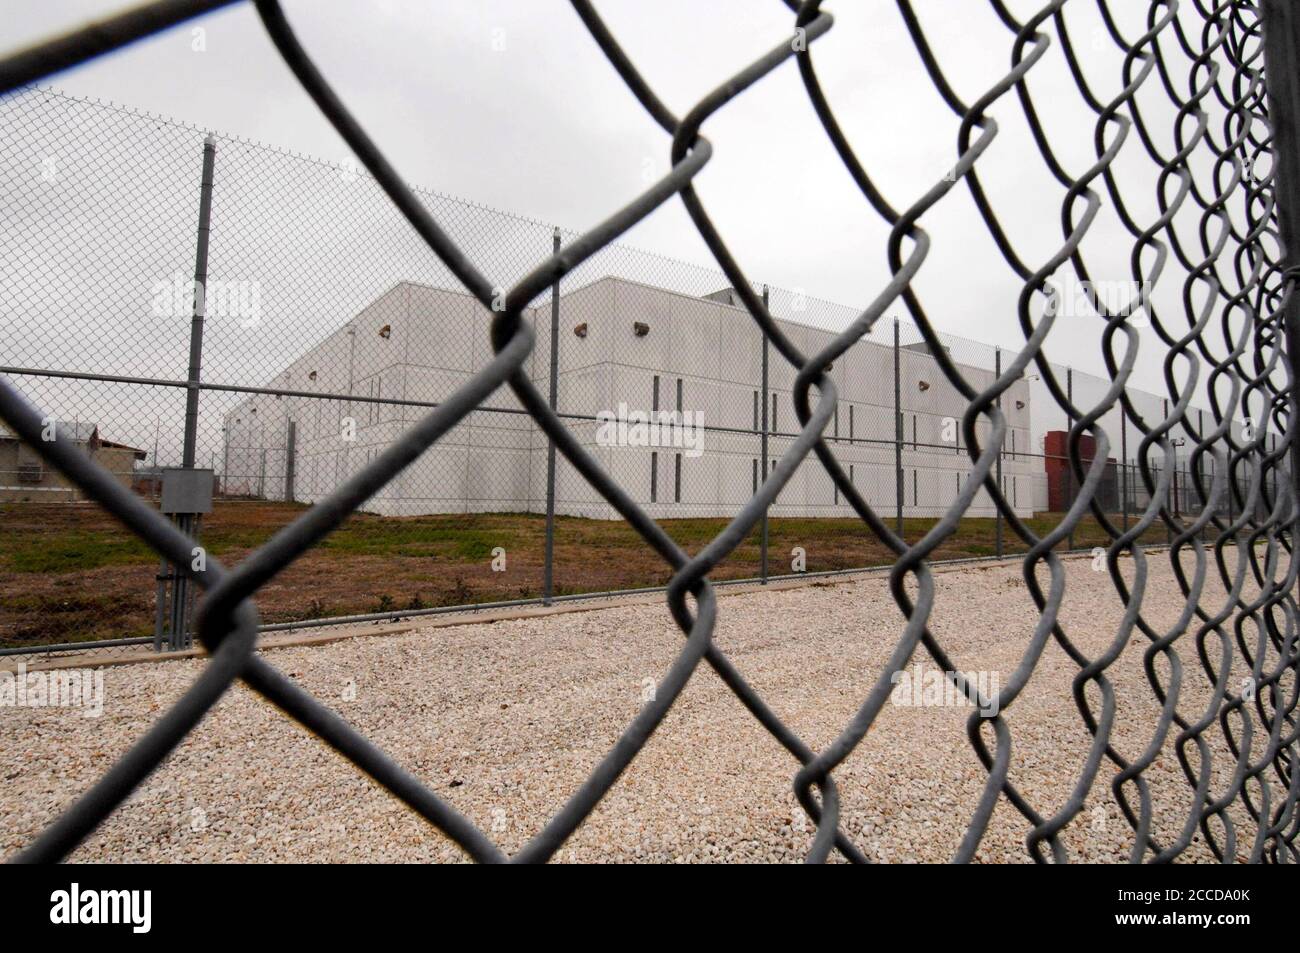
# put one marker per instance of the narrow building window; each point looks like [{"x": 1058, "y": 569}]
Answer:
[
  {"x": 914, "y": 441},
  {"x": 677, "y": 477},
  {"x": 654, "y": 405},
  {"x": 837, "y": 420},
  {"x": 679, "y": 394},
  {"x": 755, "y": 411},
  {"x": 850, "y": 423},
  {"x": 755, "y": 476},
  {"x": 914, "y": 495},
  {"x": 654, "y": 471},
  {"x": 774, "y": 426}
]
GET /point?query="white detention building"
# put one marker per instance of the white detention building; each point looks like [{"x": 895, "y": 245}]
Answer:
[{"x": 620, "y": 342}]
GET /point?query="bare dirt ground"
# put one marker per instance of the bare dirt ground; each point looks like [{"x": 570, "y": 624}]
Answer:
[
  {"x": 505, "y": 720},
  {"x": 70, "y": 573}
]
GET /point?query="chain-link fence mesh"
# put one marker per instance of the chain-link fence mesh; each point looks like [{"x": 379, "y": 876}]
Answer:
[
  {"x": 330, "y": 328},
  {"x": 665, "y": 425}
]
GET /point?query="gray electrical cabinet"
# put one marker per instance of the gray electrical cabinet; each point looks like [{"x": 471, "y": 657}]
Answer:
[{"x": 186, "y": 491}]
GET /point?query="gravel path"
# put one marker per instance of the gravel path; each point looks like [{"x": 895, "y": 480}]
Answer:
[{"x": 505, "y": 719}]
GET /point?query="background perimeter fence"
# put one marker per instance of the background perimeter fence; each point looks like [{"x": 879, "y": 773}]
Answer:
[
  {"x": 329, "y": 328},
  {"x": 386, "y": 402}
]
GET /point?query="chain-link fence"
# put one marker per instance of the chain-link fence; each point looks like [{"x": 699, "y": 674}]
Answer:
[
  {"x": 327, "y": 414},
  {"x": 329, "y": 329}
]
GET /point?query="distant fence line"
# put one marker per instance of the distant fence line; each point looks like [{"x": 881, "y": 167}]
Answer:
[{"x": 305, "y": 379}]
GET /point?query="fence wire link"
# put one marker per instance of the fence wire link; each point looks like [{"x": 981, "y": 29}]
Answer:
[{"x": 1231, "y": 329}]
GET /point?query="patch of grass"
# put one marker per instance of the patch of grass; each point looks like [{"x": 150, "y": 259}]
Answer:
[
  {"x": 72, "y": 553},
  {"x": 68, "y": 572}
]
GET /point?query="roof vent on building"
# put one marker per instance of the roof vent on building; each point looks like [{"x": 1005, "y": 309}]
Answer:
[
  {"x": 640, "y": 328},
  {"x": 386, "y": 331},
  {"x": 924, "y": 385},
  {"x": 581, "y": 329}
]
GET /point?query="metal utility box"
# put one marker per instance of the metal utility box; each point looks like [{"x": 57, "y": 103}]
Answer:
[{"x": 186, "y": 491}]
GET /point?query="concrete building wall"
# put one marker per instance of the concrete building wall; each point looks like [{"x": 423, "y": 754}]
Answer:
[{"x": 419, "y": 344}]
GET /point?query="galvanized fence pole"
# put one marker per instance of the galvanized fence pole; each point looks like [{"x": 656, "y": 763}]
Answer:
[
  {"x": 1200, "y": 466},
  {"x": 181, "y": 596},
  {"x": 997, "y": 372},
  {"x": 1173, "y": 473},
  {"x": 898, "y": 436},
  {"x": 1282, "y": 87},
  {"x": 1069, "y": 469},
  {"x": 762, "y": 540},
  {"x": 1125, "y": 478},
  {"x": 548, "y": 562},
  {"x": 290, "y": 462},
  {"x": 199, "y": 309}
]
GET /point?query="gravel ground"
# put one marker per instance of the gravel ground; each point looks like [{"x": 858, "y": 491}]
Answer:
[{"x": 505, "y": 719}]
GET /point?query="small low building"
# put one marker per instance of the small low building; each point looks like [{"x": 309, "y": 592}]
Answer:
[{"x": 25, "y": 476}]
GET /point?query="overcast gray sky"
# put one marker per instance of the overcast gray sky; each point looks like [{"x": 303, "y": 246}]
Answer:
[{"x": 509, "y": 103}]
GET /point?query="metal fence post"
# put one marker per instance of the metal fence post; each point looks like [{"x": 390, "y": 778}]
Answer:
[
  {"x": 1125, "y": 478},
  {"x": 548, "y": 564},
  {"x": 1173, "y": 474},
  {"x": 762, "y": 541},
  {"x": 1200, "y": 466},
  {"x": 898, "y": 436},
  {"x": 997, "y": 371},
  {"x": 181, "y": 596},
  {"x": 200, "y": 309},
  {"x": 1282, "y": 87},
  {"x": 1069, "y": 469},
  {"x": 290, "y": 462}
]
